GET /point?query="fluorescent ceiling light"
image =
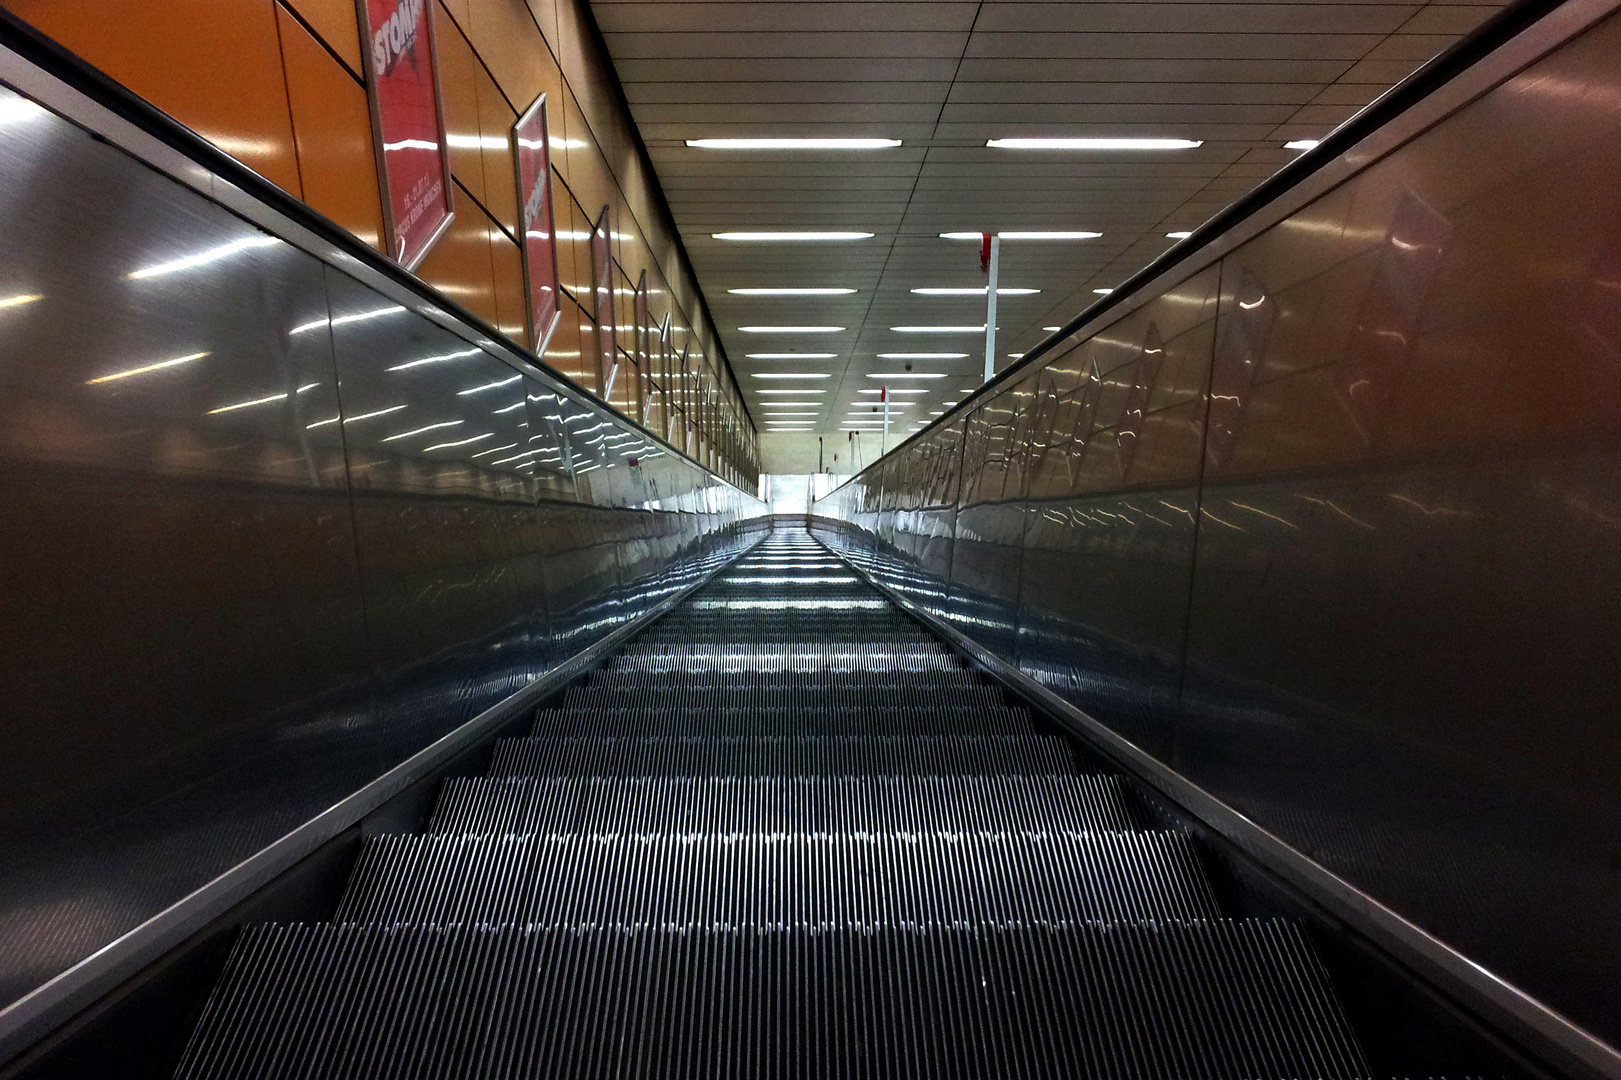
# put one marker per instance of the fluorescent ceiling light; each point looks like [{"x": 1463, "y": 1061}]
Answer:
[
  {"x": 790, "y": 355},
  {"x": 1049, "y": 235},
  {"x": 1094, "y": 144},
  {"x": 867, "y": 408},
  {"x": 892, "y": 391},
  {"x": 975, "y": 292},
  {"x": 791, "y": 329},
  {"x": 788, "y": 404},
  {"x": 764, "y": 392},
  {"x": 939, "y": 329},
  {"x": 1053, "y": 329},
  {"x": 767, "y": 237},
  {"x": 19, "y": 301},
  {"x": 922, "y": 355},
  {"x": 791, "y": 292},
  {"x": 1182, "y": 235},
  {"x": 772, "y": 418},
  {"x": 905, "y": 375},
  {"x": 793, "y": 144},
  {"x": 143, "y": 369},
  {"x": 1302, "y": 144},
  {"x": 1099, "y": 292},
  {"x": 787, "y": 375}
]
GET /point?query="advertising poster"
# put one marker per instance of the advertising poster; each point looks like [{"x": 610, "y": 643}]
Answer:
[
  {"x": 407, "y": 124},
  {"x": 532, "y": 157},
  {"x": 602, "y": 304}
]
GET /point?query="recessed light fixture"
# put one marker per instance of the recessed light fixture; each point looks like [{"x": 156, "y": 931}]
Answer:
[
  {"x": 1094, "y": 144},
  {"x": 975, "y": 292},
  {"x": 788, "y": 375},
  {"x": 1302, "y": 144},
  {"x": 774, "y": 416},
  {"x": 790, "y": 355},
  {"x": 791, "y": 292},
  {"x": 922, "y": 355},
  {"x": 788, "y": 404},
  {"x": 1102, "y": 292},
  {"x": 790, "y": 392},
  {"x": 939, "y": 329},
  {"x": 769, "y": 237},
  {"x": 791, "y": 329},
  {"x": 1052, "y": 329},
  {"x": 905, "y": 375},
  {"x": 892, "y": 391},
  {"x": 793, "y": 144},
  {"x": 1182, "y": 235},
  {"x": 1050, "y": 235}
]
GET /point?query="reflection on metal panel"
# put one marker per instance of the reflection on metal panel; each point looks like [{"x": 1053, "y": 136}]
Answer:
[
  {"x": 1367, "y": 604},
  {"x": 267, "y": 534}
]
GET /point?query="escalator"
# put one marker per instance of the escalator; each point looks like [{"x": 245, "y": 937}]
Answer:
[{"x": 783, "y": 833}]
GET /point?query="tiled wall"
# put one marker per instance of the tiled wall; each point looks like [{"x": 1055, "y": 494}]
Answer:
[{"x": 278, "y": 84}]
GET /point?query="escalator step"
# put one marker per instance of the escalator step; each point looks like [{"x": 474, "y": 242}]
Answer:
[
  {"x": 1217, "y": 1001},
  {"x": 764, "y": 882},
  {"x": 805, "y": 658},
  {"x": 759, "y": 722},
  {"x": 829, "y": 682},
  {"x": 723, "y": 806},
  {"x": 654, "y": 694},
  {"x": 834, "y": 755}
]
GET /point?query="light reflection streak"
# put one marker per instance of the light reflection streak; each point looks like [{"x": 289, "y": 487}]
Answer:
[
  {"x": 224, "y": 251},
  {"x": 496, "y": 450},
  {"x": 160, "y": 365},
  {"x": 463, "y": 442},
  {"x": 19, "y": 301},
  {"x": 509, "y": 408},
  {"x": 260, "y": 401},
  {"x": 343, "y": 320},
  {"x": 488, "y": 386},
  {"x": 1263, "y": 513},
  {"x": 420, "y": 430},
  {"x": 434, "y": 359}
]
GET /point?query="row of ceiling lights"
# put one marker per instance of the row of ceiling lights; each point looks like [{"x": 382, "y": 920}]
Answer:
[{"x": 782, "y": 411}]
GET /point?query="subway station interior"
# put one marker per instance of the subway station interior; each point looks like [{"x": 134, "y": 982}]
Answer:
[{"x": 810, "y": 539}]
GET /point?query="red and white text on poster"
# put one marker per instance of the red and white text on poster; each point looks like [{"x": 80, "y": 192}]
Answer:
[
  {"x": 534, "y": 162},
  {"x": 405, "y": 105}
]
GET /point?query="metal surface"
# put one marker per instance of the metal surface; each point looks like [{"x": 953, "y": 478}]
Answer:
[
  {"x": 1324, "y": 528},
  {"x": 271, "y": 531}
]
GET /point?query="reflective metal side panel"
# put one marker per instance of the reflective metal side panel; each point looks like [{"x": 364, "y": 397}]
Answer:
[
  {"x": 1332, "y": 527},
  {"x": 267, "y": 533}
]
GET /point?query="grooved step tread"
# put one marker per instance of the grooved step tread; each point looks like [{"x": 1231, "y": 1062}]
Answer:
[
  {"x": 1217, "y": 1001},
  {"x": 762, "y": 882},
  {"x": 815, "y": 755},
  {"x": 877, "y": 805},
  {"x": 779, "y": 721}
]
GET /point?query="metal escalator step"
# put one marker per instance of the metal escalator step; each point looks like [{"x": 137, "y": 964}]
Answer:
[
  {"x": 834, "y": 755},
  {"x": 770, "y": 882},
  {"x": 658, "y": 695},
  {"x": 813, "y": 657},
  {"x": 894, "y": 681},
  {"x": 878, "y": 805},
  {"x": 763, "y": 722},
  {"x": 1244, "y": 1000}
]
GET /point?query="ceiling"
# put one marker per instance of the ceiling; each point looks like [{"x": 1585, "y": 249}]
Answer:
[{"x": 1244, "y": 78}]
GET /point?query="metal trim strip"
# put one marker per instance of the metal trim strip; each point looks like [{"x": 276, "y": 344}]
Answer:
[
  {"x": 1545, "y": 1032},
  {"x": 52, "y": 1004}
]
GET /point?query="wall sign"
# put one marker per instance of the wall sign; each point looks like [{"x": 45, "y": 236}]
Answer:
[
  {"x": 532, "y": 157},
  {"x": 602, "y": 304},
  {"x": 408, "y": 124}
]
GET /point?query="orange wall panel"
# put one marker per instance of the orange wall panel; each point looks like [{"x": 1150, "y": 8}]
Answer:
[
  {"x": 458, "y": 85},
  {"x": 214, "y": 65},
  {"x": 511, "y": 308},
  {"x": 459, "y": 264},
  {"x": 335, "y": 23},
  {"x": 332, "y": 130},
  {"x": 500, "y": 175}
]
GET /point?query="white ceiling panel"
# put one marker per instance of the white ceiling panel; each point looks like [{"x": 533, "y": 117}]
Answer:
[{"x": 944, "y": 78}]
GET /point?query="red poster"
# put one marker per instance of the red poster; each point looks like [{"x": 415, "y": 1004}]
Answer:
[
  {"x": 533, "y": 159},
  {"x": 602, "y": 304},
  {"x": 407, "y": 124}
]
